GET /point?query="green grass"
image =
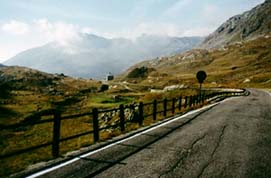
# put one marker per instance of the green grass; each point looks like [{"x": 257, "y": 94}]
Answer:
[{"x": 108, "y": 101}]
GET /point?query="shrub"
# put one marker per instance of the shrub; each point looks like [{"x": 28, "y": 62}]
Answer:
[{"x": 141, "y": 72}]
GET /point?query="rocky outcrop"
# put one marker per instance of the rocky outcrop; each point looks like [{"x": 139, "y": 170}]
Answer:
[{"x": 249, "y": 25}]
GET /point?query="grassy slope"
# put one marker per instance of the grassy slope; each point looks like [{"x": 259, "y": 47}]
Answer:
[
  {"x": 25, "y": 91},
  {"x": 228, "y": 67}
]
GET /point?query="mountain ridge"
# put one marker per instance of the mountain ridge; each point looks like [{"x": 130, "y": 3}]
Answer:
[
  {"x": 248, "y": 25},
  {"x": 244, "y": 64},
  {"x": 227, "y": 61},
  {"x": 93, "y": 56}
]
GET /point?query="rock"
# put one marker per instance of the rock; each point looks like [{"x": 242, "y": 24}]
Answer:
[
  {"x": 173, "y": 87},
  {"x": 214, "y": 83},
  {"x": 246, "y": 80},
  {"x": 156, "y": 91}
]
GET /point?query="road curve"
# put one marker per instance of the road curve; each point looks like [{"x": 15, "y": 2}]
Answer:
[{"x": 230, "y": 139}]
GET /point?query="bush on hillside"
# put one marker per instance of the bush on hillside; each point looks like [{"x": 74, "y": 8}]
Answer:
[{"x": 141, "y": 72}]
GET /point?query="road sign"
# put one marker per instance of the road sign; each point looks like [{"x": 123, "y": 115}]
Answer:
[{"x": 201, "y": 76}]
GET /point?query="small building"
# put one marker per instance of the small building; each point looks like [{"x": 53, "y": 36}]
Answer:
[{"x": 109, "y": 77}]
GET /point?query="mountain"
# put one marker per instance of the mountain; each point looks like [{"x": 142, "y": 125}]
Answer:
[
  {"x": 240, "y": 57},
  {"x": 93, "y": 56},
  {"x": 242, "y": 64},
  {"x": 249, "y": 25}
]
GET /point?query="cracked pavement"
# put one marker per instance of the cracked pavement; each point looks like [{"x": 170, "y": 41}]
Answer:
[{"x": 231, "y": 139}]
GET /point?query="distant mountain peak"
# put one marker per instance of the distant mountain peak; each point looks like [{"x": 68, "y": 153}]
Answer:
[
  {"x": 249, "y": 25},
  {"x": 93, "y": 56}
]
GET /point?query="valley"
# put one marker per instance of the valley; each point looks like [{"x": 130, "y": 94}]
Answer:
[{"x": 56, "y": 96}]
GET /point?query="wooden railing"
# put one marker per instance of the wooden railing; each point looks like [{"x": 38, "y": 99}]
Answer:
[{"x": 167, "y": 105}]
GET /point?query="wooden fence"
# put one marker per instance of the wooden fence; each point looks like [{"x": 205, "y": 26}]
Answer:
[{"x": 176, "y": 104}]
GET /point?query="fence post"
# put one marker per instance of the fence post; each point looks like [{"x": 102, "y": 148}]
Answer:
[
  {"x": 193, "y": 100},
  {"x": 95, "y": 125},
  {"x": 141, "y": 114},
  {"x": 185, "y": 102},
  {"x": 190, "y": 101},
  {"x": 165, "y": 107},
  {"x": 180, "y": 103},
  {"x": 203, "y": 97},
  {"x": 122, "y": 122},
  {"x": 56, "y": 134},
  {"x": 173, "y": 106},
  {"x": 154, "y": 111}
]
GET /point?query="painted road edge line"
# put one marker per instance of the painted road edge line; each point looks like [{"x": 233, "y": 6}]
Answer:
[
  {"x": 268, "y": 92},
  {"x": 118, "y": 142}
]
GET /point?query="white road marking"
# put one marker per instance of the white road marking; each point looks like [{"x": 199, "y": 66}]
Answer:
[
  {"x": 268, "y": 92},
  {"x": 118, "y": 142}
]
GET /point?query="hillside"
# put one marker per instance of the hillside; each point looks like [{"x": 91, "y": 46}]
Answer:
[
  {"x": 249, "y": 25},
  {"x": 24, "y": 91},
  {"x": 237, "y": 54},
  {"x": 25, "y": 94},
  {"x": 94, "y": 56},
  {"x": 242, "y": 64}
]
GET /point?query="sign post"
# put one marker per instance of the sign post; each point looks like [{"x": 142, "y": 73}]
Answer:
[{"x": 201, "y": 76}]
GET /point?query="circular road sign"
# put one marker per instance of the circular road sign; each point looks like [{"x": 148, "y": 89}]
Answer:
[{"x": 201, "y": 76}]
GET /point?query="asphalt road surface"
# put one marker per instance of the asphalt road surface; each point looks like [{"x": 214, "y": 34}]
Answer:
[{"x": 228, "y": 139}]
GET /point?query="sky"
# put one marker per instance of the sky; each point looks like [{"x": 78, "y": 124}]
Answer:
[{"x": 25, "y": 24}]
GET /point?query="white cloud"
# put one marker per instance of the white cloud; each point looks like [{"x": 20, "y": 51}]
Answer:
[
  {"x": 8, "y": 50},
  {"x": 59, "y": 31},
  {"x": 35, "y": 33},
  {"x": 163, "y": 29},
  {"x": 45, "y": 30},
  {"x": 154, "y": 29},
  {"x": 199, "y": 31},
  {"x": 16, "y": 28},
  {"x": 87, "y": 30}
]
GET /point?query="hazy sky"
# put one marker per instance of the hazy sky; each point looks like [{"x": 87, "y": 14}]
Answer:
[{"x": 29, "y": 23}]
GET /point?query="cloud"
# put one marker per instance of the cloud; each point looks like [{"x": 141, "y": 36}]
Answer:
[
  {"x": 43, "y": 29},
  {"x": 36, "y": 33},
  {"x": 149, "y": 28},
  {"x": 58, "y": 31},
  {"x": 199, "y": 31},
  {"x": 87, "y": 30},
  {"x": 16, "y": 27},
  {"x": 156, "y": 29}
]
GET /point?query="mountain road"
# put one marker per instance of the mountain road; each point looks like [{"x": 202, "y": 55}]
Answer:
[{"x": 231, "y": 138}]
